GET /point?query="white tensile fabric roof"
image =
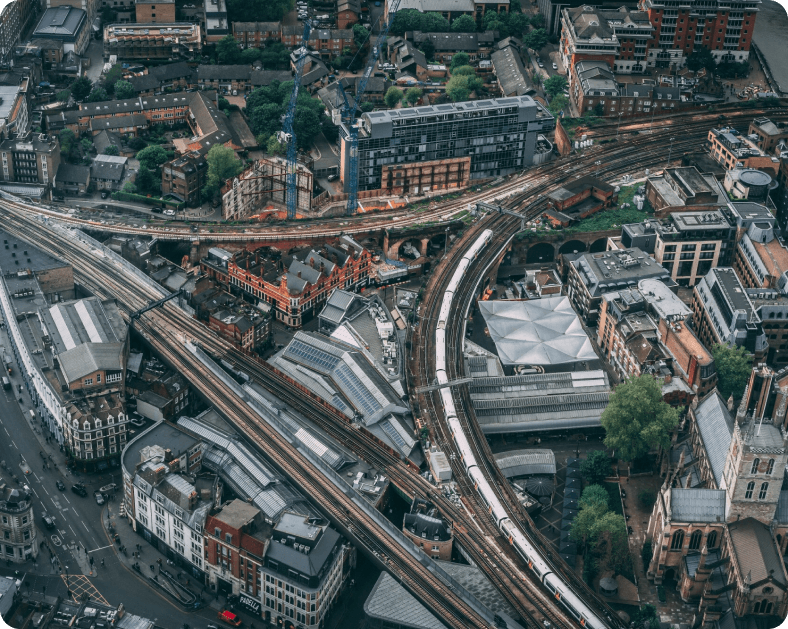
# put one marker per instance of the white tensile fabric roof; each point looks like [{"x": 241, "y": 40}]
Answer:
[{"x": 537, "y": 332}]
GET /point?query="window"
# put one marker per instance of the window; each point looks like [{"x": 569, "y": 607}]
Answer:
[
  {"x": 88, "y": 381},
  {"x": 755, "y": 464},
  {"x": 770, "y": 467},
  {"x": 711, "y": 540},
  {"x": 750, "y": 489},
  {"x": 695, "y": 540},
  {"x": 678, "y": 540},
  {"x": 764, "y": 489}
]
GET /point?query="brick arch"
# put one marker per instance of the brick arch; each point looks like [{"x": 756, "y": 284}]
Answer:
[
  {"x": 571, "y": 246},
  {"x": 540, "y": 252},
  {"x": 600, "y": 244}
]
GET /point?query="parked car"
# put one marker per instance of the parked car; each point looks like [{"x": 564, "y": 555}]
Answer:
[
  {"x": 230, "y": 618},
  {"x": 157, "y": 210},
  {"x": 108, "y": 488},
  {"x": 48, "y": 520},
  {"x": 333, "y": 177},
  {"x": 99, "y": 498},
  {"x": 104, "y": 194},
  {"x": 555, "y": 66},
  {"x": 169, "y": 212},
  {"x": 540, "y": 63},
  {"x": 79, "y": 489},
  {"x": 60, "y": 485}
]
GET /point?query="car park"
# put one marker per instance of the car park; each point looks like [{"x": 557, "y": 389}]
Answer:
[
  {"x": 79, "y": 489},
  {"x": 99, "y": 498},
  {"x": 60, "y": 485}
]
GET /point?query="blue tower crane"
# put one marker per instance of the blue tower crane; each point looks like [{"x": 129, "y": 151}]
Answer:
[
  {"x": 349, "y": 112},
  {"x": 287, "y": 135}
]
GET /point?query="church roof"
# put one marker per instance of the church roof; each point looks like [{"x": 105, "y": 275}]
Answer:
[
  {"x": 697, "y": 505},
  {"x": 715, "y": 425},
  {"x": 756, "y": 551}
]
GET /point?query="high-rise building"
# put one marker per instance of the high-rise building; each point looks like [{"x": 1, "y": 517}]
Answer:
[
  {"x": 416, "y": 149},
  {"x": 680, "y": 27}
]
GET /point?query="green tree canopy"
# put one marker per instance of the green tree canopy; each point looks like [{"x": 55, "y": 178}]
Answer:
[
  {"x": 596, "y": 466},
  {"x": 434, "y": 23},
  {"x": 360, "y": 35},
  {"x": 68, "y": 143},
  {"x": 124, "y": 89},
  {"x": 413, "y": 95},
  {"x": 227, "y": 50},
  {"x": 701, "y": 57},
  {"x": 536, "y": 39},
  {"x": 538, "y": 21},
  {"x": 111, "y": 150},
  {"x": 457, "y": 88},
  {"x": 98, "y": 94},
  {"x": 734, "y": 365},
  {"x": 366, "y": 106},
  {"x": 151, "y": 157},
  {"x": 559, "y": 103},
  {"x": 63, "y": 95},
  {"x": 114, "y": 75},
  {"x": 81, "y": 88},
  {"x": 250, "y": 55},
  {"x": 466, "y": 70},
  {"x": 637, "y": 418},
  {"x": 222, "y": 165},
  {"x": 393, "y": 96},
  {"x": 595, "y": 496},
  {"x": 428, "y": 48},
  {"x": 275, "y": 56},
  {"x": 460, "y": 59},
  {"x": 555, "y": 85},
  {"x": 602, "y": 531},
  {"x": 463, "y": 24},
  {"x": 147, "y": 182},
  {"x": 413, "y": 20},
  {"x": 518, "y": 24},
  {"x": 275, "y": 147},
  {"x": 136, "y": 144}
]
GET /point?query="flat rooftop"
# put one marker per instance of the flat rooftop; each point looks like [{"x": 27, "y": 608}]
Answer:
[
  {"x": 160, "y": 434},
  {"x": 732, "y": 289},
  {"x": 16, "y": 255}
]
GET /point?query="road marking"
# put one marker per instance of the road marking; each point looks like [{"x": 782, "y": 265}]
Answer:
[
  {"x": 14, "y": 442},
  {"x": 98, "y": 549},
  {"x": 86, "y": 527},
  {"x": 66, "y": 499},
  {"x": 6, "y": 432},
  {"x": 36, "y": 477},
  {"x": 72, "y": 530},
  {"x": 33, "y": 489},
  {"x": 45, "y": 489}
]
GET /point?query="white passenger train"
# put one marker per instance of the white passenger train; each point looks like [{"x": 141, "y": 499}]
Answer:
[{"x": 532, "y": 557}]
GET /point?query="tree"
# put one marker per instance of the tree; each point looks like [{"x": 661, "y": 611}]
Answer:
[
  {"x": 222, "y": 165},
  {"x": 360, "y": 35},
  {"x": 306, "y": 126},
  {"x": 610, "y": 545},
  {"x": 136, "y": 143},
  {"x": 275, "y": 147},
  {"x": 87, "y": 145},
  {"x": 114, "y": 75},
  {"x": 68, "y": 143},
  {"x": 275, "y": 56},
  {"x": 734, "y": 366},
  {"x": 463, "y": 24},
  {"x": 536, "y": 39},
  {"x": 428, "y": 48},
  {"x": 558, "y": 104},
  {"x": 250, "y": 55},
  {"x": 595, "y": 496},
  {"x": 223, "y": 103},
  {"x": 596, "y": 466},
  {"x": 393, "y": 96},
  {"x": 434, "y": 23},
  {"x": 81, "y": 88},
  {"x": 413, "y": 95},
  {"x": 646, "y": 498},
  {"x": 537, "y": 78},
  {"x": 406, "y": 20},
  {"x": 459, "y": 60},
  {"x": 151, "y": 157},
  {"x": 466, "y": 70},
  {"x": 227, "y": 50},
  {"x": 366, "y": 106},
  {"x": 97, "y": 95},
  {"x": 257, "y": 10},
  {"x": 457, "y": 88},
  {"x": 637, "y": 418},
  {"x": 111, "y": 150},
  {"x": 700, "y": 58},
  {"x": 518, "y": 24},
  {"x": 124, "y": 89},
  {"x": 147, "y": 182},
  {"x": 538, "y": 21},
  {"x": 63, "y": 95},
  {"x": 555, "y": 85}
]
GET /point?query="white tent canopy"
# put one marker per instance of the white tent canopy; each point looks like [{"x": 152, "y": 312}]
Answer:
[{"x": 537, "y": 332}]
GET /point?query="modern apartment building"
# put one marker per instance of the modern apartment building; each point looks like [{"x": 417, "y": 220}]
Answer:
[
  {"x": 33, "y": 160},
  {"x": 731, "y": 149},
  {"x": 418, "y": 149},
  {"x": 160, "y": 41},
  {"x": 619, "y": 37},
  {"x": 681, "y": 26},
  {"x": 724, "y": 314}
]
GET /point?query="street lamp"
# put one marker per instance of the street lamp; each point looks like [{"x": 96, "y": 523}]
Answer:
[
  {"x": 68, "y": 584},
  {"x": 670, "y": 152}
]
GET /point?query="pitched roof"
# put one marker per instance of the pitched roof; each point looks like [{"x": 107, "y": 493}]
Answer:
[
  {"x": 697, "y": 505},
  {"x": 756, "y": 551},
  {"x": 223, "y": 72},
  {"x": 266, "y": 77},
  {"x": 715, "y": 426},
  {"x": 69, "y": 173},
  {"x": 119, "y": 122},
  {"x": 422, "y": 525}
]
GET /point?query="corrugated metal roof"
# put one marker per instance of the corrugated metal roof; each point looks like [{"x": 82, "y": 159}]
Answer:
[
  {"x": 525, "y": 462},
  {"x": 715, "y": 425},
  {"x": 697, "y": 505}
]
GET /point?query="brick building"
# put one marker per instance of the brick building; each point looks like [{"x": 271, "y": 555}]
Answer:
[
  {"x": 243, "y": 326},
  {"x": 169, "y": 76},
  {"x": 769, "y": 134},
  {"x": 428, "y": 531},
  {"x": 297, "y": 284},
  {"x": 731, "y": 149},
  {"x": 294, "y": 568},
  {"x": 348, "y": 13},
  {"x": 35, "y": 159},
  {"x": 582, "y": 197},
  {"x": 684, "y": 187},
  {"x": 185, "y": 176},
  {"x": 155, "y": 11},
  {"x": 257, "y": 34},
  {"x": 680, "y": 27}
]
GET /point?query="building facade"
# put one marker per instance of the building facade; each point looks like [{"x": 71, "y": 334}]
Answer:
[
  {"x": 67, "y": 24},
  {"x": 731, "y": 149},
  {"x": 155, "y": 11},
  {"x": 18, "y": 534},
  {"x": 139, "y": 42},
  {"x": 461, "y": 134},
  {"x": 33, "y": 160}
]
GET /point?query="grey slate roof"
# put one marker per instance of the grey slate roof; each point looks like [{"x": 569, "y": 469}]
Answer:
[
  {"x": 69, "y": 173},
  {"x": 510, "y": 71},
  {"x": 525, "y": 462},
  {"x": 389, "y": 601},
  {"x": 697, "y": 505},
  {"x": 223, "y": 72},
  {"x": 756, "y": 551},
  {"x": 60, "y": 22},
  {"x": 312, "y": 563},
  {"x": 435, "y": 529},
  {"x": 266, "y": 77},
  {"x": 715, "y": 425}
]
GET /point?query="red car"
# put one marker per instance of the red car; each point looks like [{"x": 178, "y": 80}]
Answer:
[{"x": 230, "y": 618}]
